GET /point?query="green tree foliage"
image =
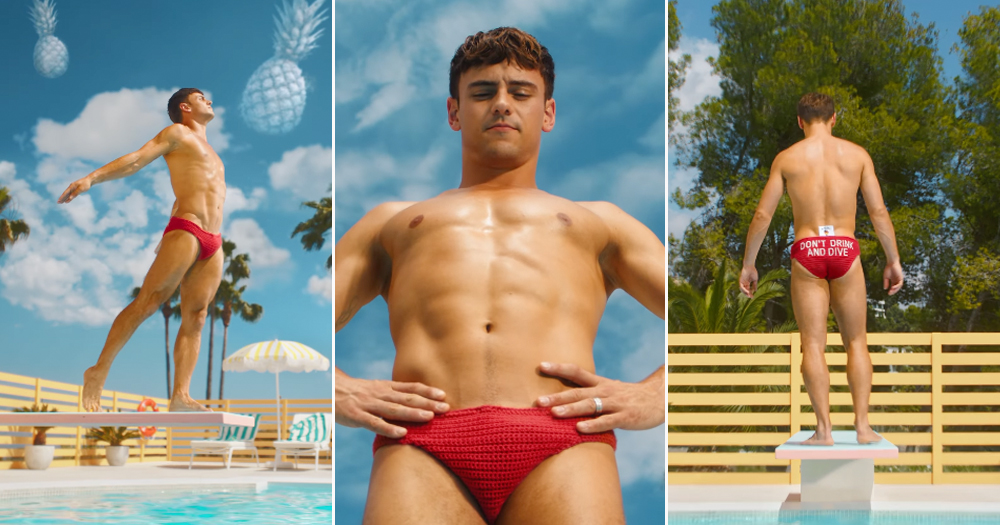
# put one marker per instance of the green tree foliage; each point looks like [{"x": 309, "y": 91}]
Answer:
[
  {"x": 675, "y": 76},
  {"x": 231, "y": 297},
  {"x": 315, "y": 229},
  {"x": 11, "y": 230},
  {"x": 884, "y": 74}
]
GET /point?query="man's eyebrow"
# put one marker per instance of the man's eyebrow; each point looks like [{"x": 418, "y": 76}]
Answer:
[{"x": 494, "y": 84}]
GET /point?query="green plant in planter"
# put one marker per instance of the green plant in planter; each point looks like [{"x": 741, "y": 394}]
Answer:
[
  {"x": 111, "y": 435},
  {"x": 38, "y": 433}
]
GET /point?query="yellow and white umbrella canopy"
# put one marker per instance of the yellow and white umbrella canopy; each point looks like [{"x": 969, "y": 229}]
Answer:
[{"x": 276, "y": 357}]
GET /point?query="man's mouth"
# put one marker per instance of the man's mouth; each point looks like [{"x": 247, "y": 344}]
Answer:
[{"x": 502, "y": 126}]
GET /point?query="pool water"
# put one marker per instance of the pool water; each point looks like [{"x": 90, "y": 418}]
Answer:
[
  {"x": 831, "y": 518},
  {"x": 278, "y": 504}
]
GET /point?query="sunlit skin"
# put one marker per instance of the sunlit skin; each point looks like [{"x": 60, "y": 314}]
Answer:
[
  {"x": 484, "y": 284},
  {"x": 198, "y": 179},
  {"x": 823, "y": 174}
]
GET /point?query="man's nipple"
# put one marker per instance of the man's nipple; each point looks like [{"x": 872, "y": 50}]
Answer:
[
  {"x": 416, "y": 221},
  {"x": 565, "y": 219}
]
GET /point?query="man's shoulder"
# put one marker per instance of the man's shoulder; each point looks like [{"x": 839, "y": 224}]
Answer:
[
  {"x": 380, "y": 214},
  {"x": 174, "y": 132}
]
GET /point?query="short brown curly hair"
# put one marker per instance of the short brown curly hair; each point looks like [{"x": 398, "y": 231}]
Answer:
[
  {"x": 814, "y": 106},
  {"x": 503, "y": 44}
]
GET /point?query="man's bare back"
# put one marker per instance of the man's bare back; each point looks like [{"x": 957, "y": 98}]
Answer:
[
  {"x": 823, "y": 174},
  {"x": 188, "y": 255}
]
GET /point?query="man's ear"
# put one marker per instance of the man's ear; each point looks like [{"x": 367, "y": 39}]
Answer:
[
  {"x": 453, "y": 122},
  {"x": 549, "y": 120}
]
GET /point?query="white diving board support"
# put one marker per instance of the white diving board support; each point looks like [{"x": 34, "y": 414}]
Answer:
[
  {"x": 124, "y": 419},
  {"x": 843, "y": 472}
]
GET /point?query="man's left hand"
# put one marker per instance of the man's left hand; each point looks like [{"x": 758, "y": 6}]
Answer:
[{"x": 628, "y": 406}]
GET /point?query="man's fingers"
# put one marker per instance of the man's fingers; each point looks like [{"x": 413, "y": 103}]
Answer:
[
  {"x": 416, "y": 401},
  {"x": 572, "y": 372},
  {"x": 398, "y": 412},
  {"x": 600, "y": 424},
  {"x": 383, "y": 428},
  {"x": 565, "y": 398},
  {"x": 418, "y": 388},
  {"x": 585, "y": 407}
]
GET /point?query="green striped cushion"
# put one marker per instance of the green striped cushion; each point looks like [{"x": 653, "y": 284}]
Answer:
[
  {"x": 238, "y": 433},
  {"x": 311, "y": 429}
]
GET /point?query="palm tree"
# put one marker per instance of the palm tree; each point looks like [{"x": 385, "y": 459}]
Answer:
[
  {"x": 169, "y": 309},
  {"x": 232, "y": 301},
  {"x": 12, "y": 230},
  {"x": 314, "y": 230}
]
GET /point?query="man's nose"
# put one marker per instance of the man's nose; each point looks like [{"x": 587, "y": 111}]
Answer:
[{"x": 501, "y": 104}]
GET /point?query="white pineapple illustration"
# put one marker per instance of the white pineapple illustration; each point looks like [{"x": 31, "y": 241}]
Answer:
[
  {"x": 51, "y": 55},
  {"x": 276, "y": 93}
]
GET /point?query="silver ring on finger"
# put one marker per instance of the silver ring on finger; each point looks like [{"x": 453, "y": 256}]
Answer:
[{"x": 598, "y": 406}]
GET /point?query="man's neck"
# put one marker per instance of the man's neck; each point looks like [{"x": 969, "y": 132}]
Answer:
[
  {"x": 818, "y": 129},
  {"x": 198, "y": 128},
  {"x": 477, "y": 175}
]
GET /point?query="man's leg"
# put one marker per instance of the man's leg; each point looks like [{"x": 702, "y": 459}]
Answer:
[
  {"x": 197, "y": 292},
  {"x": 578, "y": 486},
  {"x": 811, "y": 303},
  {"x": 850, "y": 306},
  {"x": 409, "y": 487},
  {"x": 178, "y": 252}
]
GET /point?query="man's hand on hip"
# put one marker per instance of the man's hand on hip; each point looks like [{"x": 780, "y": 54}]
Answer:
[
  {"x": 368, "y": 403},
  {"x": 628, "y": 406}
]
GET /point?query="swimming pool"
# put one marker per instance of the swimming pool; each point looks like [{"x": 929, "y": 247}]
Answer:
[
  {"x": 278, "y": 504},
  {"x": 842, "y": 517}
]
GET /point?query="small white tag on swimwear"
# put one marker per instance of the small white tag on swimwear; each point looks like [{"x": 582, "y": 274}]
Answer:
[{"x": 826, "y": 231}]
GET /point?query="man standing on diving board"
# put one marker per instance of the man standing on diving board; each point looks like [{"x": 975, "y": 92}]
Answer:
[
  {"x": 188, "y": 254},
  {"x": 823, "y": 174},
  {"x": 495, "y": 290}
]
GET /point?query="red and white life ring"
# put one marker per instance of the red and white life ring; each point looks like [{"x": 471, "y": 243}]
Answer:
[{"x": 147, "y": 404}]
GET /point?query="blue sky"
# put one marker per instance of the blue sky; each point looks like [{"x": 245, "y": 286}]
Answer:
[
  {"x": 698, "y": 39},
  {"x": 393, "y": 143},
  {"x": 61, "y": 288}
]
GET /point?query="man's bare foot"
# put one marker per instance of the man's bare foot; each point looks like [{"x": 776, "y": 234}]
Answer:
[
  {"x": 186, "y": 404},
  {"x": 866, "y": 435},
  {"x": 93, "y": 386},
  {"x": 818, "y": 439}
]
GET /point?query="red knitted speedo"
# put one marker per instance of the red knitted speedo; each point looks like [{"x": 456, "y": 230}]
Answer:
[
  {"x": 492, "y": 449},
  {"x": 826, "y": 257},
  {"x": 210, "y": 242}
]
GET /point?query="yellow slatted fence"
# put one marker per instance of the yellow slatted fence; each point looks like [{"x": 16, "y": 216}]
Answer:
[{"x": 732, "y": 398}]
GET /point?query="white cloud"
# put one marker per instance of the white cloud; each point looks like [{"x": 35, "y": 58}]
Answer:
[
  {"x": 251, "y": 239},
  {"x": 115, "y": 123},
  {"x": 368, "y": 178},
  {"x": 699, "y": 79},
  {"x": 305, "y": 171},
  {"x": 655, "y": 135},
  {"x": 640, "y": 455},
  {"x": 236, "y": 200},
  {"x": 632, "y": 182},
  {"x": 27, "y": 204},
  {"x": 407, "y": 63},
  {"x": 321, "y": 285}
]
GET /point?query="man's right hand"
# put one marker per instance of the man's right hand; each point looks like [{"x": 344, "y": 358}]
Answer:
[
  {"x": 748, "y": 281},
  {"x": 892, "y": 277},
  {"x": 368, "y": 403},
  {"x": 74, "y": 189}
]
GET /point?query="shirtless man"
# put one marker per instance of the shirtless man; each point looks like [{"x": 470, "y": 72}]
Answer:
[
  {"x": 823, "y": 174},
  {"x": 188, "y": 254},
  {"x": 495, "y": 290}
]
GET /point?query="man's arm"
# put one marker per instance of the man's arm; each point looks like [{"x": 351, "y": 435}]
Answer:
[
  {"x": 361, "y": 271},
  {"x": 769, "y": 200},
  {"x": 635, "y": 260},
  {"x": 164, "y": 142},
  {"x": 879, "y": 214}
]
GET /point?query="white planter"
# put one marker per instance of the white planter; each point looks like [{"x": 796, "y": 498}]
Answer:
[
  {"x": 38, "y": 457},
  {"x": 117, "y": 456}
]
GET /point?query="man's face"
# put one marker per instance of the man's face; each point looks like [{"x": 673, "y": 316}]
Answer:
[
  {"x": 501, "y": 112},
  {"x": 201, "y": 107}
]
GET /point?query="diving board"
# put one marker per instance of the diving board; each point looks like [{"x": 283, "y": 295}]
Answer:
[
  {"x": 844, "y": 471},
  {"x": 124, "y": 419}
]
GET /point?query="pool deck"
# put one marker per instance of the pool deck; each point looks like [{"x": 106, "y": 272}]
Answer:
[
  {"x": 919, "y": 498},
  {"x": 23, "y": 482}
]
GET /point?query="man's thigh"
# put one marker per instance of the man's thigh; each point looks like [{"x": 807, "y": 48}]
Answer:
[
  {"x": 578, "y": 486},
  {"x": 408, "y": 486},
  {"x": 848, "y": 297},
  {"x": 811, "y": 305},
  {"x": 178, "y": 252},
  {"x": 201, "y": 282}
]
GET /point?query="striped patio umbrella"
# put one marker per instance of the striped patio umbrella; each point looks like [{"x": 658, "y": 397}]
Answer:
[{"x": 276, "y": 356}]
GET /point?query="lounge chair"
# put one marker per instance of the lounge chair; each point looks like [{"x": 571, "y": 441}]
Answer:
[
  {"x": 230, "y": 439},
  {"x": 309, "y": 435}
]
